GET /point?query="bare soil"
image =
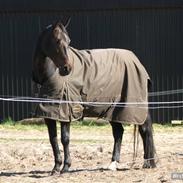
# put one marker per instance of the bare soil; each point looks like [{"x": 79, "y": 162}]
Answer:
[{"x": 26, "y": 156}]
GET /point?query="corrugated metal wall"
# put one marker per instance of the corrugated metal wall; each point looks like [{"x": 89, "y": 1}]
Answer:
[{"x": 154, "y": 34}]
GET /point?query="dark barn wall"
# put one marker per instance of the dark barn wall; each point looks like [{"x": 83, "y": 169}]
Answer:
[{"x": 153, "y": 30}]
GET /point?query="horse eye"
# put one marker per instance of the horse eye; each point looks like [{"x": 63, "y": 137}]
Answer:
[
  {"x": 58, "y": 41},
  {"x": 57, "y": 50},
  {"x": 65, "y": 49}
]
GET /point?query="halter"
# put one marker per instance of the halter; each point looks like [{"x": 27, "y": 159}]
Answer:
[{"x": 49, "y": 26}]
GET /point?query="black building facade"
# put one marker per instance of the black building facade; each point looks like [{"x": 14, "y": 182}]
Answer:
[{"x": 151, "y": 29}]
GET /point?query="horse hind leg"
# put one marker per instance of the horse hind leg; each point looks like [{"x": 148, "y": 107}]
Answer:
[
  {"x": 52, "y": 130},
  {"x": 117, "y": 130},
  {"x": 148, "y": 143}
]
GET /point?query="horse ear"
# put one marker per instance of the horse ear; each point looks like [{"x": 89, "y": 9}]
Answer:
[
  {"x": 58, "y": 24},
  {"x": 58, "y": 28},
  {"x": 67, "y": 22}
]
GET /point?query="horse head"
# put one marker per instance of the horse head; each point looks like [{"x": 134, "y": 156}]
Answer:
[{"x": 54, "y": 44}]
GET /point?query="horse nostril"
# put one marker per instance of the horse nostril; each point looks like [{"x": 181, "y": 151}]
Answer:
[{"x": 66, "y": 68}]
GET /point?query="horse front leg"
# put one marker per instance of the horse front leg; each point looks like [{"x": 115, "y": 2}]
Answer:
[
  {"x": 65, "y": 139},
  {"x": 52, "y": 130},
  {"x": 117, "y": 130},
  {"x": 148, "y": 143}
]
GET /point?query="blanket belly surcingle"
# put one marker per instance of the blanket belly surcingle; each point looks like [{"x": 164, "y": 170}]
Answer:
[{"x": 101, "y": 75}]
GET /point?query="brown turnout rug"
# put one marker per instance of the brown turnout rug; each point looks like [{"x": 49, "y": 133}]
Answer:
[{"x": 106, "y": 76}]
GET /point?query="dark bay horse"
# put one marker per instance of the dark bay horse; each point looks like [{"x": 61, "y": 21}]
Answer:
[{"x": 69, "y": 74}]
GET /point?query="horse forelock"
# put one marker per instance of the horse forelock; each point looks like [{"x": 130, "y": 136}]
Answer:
[
  {"x": 63, "y": 30},
  {"x": 51, "y": 27}
]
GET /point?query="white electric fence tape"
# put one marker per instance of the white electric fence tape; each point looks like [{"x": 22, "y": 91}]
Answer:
[{"x": 156, "y": 105}]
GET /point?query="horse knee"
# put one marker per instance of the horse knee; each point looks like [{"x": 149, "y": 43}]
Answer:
[
  {"x": 65, "y": 133},
  {"x": 65, "y": 139},
  {"x": 146, "y": 128},
  {"x": 143, "y": 130},
  {"x": 117, "y": 130}
]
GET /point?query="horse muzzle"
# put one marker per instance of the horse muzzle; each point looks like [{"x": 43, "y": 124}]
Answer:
[{"x": 65, "y": 70}]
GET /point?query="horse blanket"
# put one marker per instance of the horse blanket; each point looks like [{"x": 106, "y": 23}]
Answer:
[{"x": 99, "y": 75}]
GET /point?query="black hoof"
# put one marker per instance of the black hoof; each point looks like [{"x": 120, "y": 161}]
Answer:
[
  {"x": 65, "y": 169},
  {"x": 55, "y": 171},
  {"x": 149, "y": 164}
]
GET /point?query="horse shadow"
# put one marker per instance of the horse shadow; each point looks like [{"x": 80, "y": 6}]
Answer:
[
  {"x": 33, "y": 174},
  {"x": 42, "y": 174},
  {"x": 101, "y": 169}
]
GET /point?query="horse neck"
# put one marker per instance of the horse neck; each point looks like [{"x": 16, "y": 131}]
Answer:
[
  {"x": 43, "y": 69},
  {"x": 49, "y": 68}
]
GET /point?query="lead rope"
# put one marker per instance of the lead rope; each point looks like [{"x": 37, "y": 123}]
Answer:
[{"x": 135, "y": 145}]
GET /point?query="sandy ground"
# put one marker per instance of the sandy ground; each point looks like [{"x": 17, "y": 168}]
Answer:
[{"x": 26, "y": 156}]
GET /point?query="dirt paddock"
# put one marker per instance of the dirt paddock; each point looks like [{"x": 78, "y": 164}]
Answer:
[{"x": 26, "y": 156}]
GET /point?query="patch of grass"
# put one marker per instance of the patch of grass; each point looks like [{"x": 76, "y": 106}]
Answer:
[
  {"x": 23, "y": 127},
  {"x": 10, "y": 124},
  {"x": 167, "y": 128},
  {"x": 8, "y": 121},
  {"x": 88, "y": 125},
  {"x": 31, "y": 127}
]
